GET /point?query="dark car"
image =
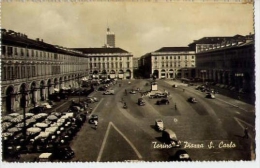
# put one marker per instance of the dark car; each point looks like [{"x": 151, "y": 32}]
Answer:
[
  {"x": 192, "y": 100},
  {"x": 37, "y": 109},
  {"x": 163, "y": 101},
  {"x": 181, "y": 155},
  {"x": 141, "y": 102},
  {"x": 93, "y": 118},
  {"x": 64, "y": 153}
]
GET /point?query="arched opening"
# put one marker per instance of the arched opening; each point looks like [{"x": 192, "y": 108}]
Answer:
[
  {"x": 120, "y": 74},
  {"x": 155, "y": 74},
  {"x": 163, "y": 73},
  {"x": 103, "y": 74},
  {"x": 95, "y": 74},
  {"x": 33, "y": 94},
  {"x": 42, "y": 90},
  {"x": 128, "y": 74},
  {"x": 10, "y": 97},
  {"x": 24, "y": 95},
  {"x": 112, "y": 74},
  {"x": 171, "y": 72},
  {"x": 49, "y": 87}
]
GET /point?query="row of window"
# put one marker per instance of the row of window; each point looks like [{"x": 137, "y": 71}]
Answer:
[
  {"x": 108, "y": 65},
  {"x": 11, "y": 72},
  {"x": 107, "y": 58},
  {"x": 173, "y": 57},
  {"x": 10, "y": 51}
]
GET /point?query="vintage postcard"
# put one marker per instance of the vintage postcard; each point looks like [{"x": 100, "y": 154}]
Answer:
[{"x": 131, "y": 81}]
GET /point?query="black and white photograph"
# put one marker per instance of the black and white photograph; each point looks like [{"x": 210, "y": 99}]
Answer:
[{"x": 128, "y": 81}]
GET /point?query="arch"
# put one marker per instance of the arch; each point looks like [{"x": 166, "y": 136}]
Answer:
[
  {"x": 42, "y": 90},
  {"x": 171, "y": 72},
  {"x": 163, "y": 73},
  {"x": 49, "y": 86},
  {"x": 24, "y": 95},
  {"x": 120, "y": 74},
  {"x": 10, "y": 98},
  {"x": 55, "y": 82},
  {"x": 33, "y": 93},
  {"x": 112, "y": 74},
  {"x": 128, "y": 73},
  {"x": 155, "y": 73}
]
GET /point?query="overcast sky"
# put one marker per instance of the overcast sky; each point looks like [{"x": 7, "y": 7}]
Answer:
[{"x": 139, "y": 27}]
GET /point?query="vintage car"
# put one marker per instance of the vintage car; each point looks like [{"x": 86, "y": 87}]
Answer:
[
  {"x": 192, "y": 100},
  {"x": 159, "y": 124}
]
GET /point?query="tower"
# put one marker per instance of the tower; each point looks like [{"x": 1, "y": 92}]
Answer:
[{"x": 110, "y": 38}]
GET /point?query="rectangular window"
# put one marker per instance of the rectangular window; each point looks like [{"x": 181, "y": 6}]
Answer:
[
  {"x": 15, "y": 51},
  {"x": 128, "y": 64},
  {"x": 170, "y": 57},
  {"x": 4, "y": 73},
  {"x": 21, "y": 51},
  {"x": 32, "y": 51},
  {"x": 9, "y": 50},
  {"x": 112, "y": 58},
  {"x": 103, "y": 58},
  {"x": 3, "y": 51},
  {"x": 179, "y": 57},
  {"x": 185, "y": 56},
  {"x": 107, "y": 65},
  {"x": 120, "y": 64},
  {"x": 127, "y": 58},
  {"x": 55, "y": 56},
  {"x": 192, "y": 57},
  {"x": 155, "y": 58},
  {"x": 166, "y": 57},
  {"x": 36, "y": 53}
]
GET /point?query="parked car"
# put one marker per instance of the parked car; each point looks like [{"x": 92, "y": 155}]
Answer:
[
  {"x": 175, "y": 85},
  {"x": 163, "y": 101},
  {"x": 93, "y": 118},
  {"x": 132, "y": 92},
  {"x": 141, "y": 102},
  {"x": 192, "y": 100},
  {"x": 210, "y": 96},
  {"x": 181, "y": 155},
  {"x": 93, "y": 98},
  {"x": 170, "y": 137},
  {"x": 109, "y": 92},
  {"x": 37, "y": 109},
  {"x": 46, "y": 105},
  {"x": 64, "y": 153},
  {"x": 102, "y": 88},
  {"x": 159, "y": 125}
]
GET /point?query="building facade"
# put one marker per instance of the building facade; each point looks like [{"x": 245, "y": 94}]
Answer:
[
  {"x": 112, "y": 63},
  {"x": 34, "y": 69},
  {"x": 111, "y": 39},
  {"x": 229, "y": 61},
  {"x": 169, "y": 63}
]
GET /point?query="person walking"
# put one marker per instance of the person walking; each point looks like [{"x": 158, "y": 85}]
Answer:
[
  {"x": 96, "y": 123},
  {"x": 175, "y": 106},
  {"x": 246, "y": 133}
]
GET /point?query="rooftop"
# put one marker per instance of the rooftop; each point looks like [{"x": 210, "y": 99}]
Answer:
[
  {"x": 100, "y": 50},
  {"x": 170, "y": 49}
]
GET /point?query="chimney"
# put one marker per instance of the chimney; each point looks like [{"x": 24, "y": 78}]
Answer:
[
  {"x": 41, "y": 40},
  {"x": 37, "y": 39}
]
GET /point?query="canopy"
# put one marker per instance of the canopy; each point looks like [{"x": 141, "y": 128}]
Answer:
[
  {"x": 42, "y": 135},
  {"x": 51, "y": 129},
  {"x": 14, "y": 129},
  {"x": 29, "y": 114},
  {"x": 52, "y": 117},
  {"x": 14, "y": 114},
  {"x": 7, "y": 118},
  {"x": 33, "y": 130},
  {"x": 41, "y": 125},
  {"x": 16, "y": 120},
  {"x": 21, "y": 125},
  {"x": 6, "y": 125}
]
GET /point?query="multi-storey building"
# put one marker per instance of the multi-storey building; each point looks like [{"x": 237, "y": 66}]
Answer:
[
  {"x": 169, "y": 62},
  {"x": 111, "y": 40},
  {"x": 34, "y": 69},
  {"x": 109, "y": 62},
  {"x": 228, "y": 61}
]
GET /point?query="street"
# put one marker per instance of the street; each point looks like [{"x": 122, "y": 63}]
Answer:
[{"x": 211, "y": 129}]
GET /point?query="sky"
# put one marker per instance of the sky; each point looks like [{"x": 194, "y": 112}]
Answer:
[{"x": 139, "y": 27}]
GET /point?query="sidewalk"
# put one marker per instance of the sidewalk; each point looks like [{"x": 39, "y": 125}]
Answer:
[{"x": 233, "y": 102}]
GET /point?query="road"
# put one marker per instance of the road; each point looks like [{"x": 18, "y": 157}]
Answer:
[{"x": 129, "y": 134}]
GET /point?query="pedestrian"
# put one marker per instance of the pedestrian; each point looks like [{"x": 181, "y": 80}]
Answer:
[
  {"x": 175, "y": 106},
  {"x": 96, "y": 123},
  {"x": 246, "y": 133},
  {"x": 183, "y": 90}
]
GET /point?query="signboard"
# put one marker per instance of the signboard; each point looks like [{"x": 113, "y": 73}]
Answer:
[{"x": 154, "y": 86}]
